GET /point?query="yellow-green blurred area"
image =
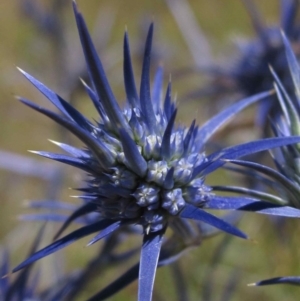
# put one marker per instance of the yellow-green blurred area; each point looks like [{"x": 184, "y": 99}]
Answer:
[{"x": 58, "y": 62}]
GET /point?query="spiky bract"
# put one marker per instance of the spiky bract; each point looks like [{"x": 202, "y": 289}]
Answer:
[{"x": 142, "y": 168}]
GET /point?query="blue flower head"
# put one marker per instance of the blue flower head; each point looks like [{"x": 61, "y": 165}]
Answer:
[
  {"x": 142, "y": 168},
  {"x": 286, "y": 123},
  {"x": 248, "y": 73},
  {"x": 251, "y": 73},
  {"x": 285, "y": 179}
]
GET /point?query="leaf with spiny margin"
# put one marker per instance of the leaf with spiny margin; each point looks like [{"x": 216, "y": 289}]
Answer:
[
  {"x": 218, "y": 159},
  {"x": 82, "y": 210},
  {"x": 148, "y": 264},
  {"x": 145, "y": 96},
  {"x": 166, "y": 150},
  {"x": 101, "y": 152},
  {"x": 214, "y": 123},
  {"x": 194, "y": 213},
  {"x": 135, "y": 160},
  {"x": 293, "y": 64},
  {"x": 97, "y": 74},
  {"x": 251, "y": 205},
  {"x": 63, "y": 242},
  {"x": 129, "y": 81},
  {"x": 293, "y": 280}
]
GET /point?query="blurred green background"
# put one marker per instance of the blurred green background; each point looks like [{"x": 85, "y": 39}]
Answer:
[{"x": 57, "y": 61}]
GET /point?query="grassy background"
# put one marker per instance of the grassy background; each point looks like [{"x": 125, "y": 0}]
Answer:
[{"x": 23, "y": 44}]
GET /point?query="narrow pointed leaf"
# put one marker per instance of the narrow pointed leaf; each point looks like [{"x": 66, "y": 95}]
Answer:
[
  {"x": 167, "y": 255},
  {"x": 252, "y": 193},
  {"x": 110, "y": 229},
  {"x": 130, "y": 86},
  {"x": 293, "y": 64},
  {"x": 232, "y": 218},
  {"x": 97, "y": 147},
  {"x": 287, "y": 105},
  {"x": 63, "y": 242},
  {"x": 252, "y": 205},
  {"x": 136, "y": 161},
  {"x": 291, "y": 188},
  {"x": 97, "y": 74},
  {"x": 213, "y": 124},
  {"x": 74, "y": 151},
  {"x": 218, "y": 159},
  {"x": 66, "y": 160},
  {"x": 192, "y": 212},
  {"x": 145, "y": 97},
  {"x": 166, "y": 140},
  {"x": 77, "y": 116},
  {"x": 148, "y": 264},
  {"x": 189, "y": 135},
  {"x": 294, "y": 280},
  {"x": 61, "y": 104},
  {"x": 95, "y": 100},
  {"x": 53, "y": 97}
]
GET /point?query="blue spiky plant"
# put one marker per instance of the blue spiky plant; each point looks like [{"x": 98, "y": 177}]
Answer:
[
  {"x": 286, "y": 159},
  {"x": 251, "y": 73},
  {"x": 143, "y": 170},
  {"x": 248, "y": 71},
  {"x": 285, "y": 123}
]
